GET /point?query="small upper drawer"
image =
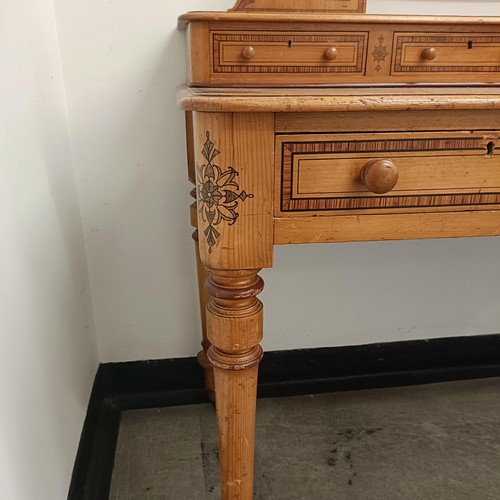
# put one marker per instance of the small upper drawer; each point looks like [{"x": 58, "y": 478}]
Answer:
[
  {"x": 260, "y": 50},
  {"x": 431, "y": 53},
  {"x": 273, "y": 56}
]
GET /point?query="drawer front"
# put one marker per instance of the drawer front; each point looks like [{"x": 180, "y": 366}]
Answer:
[
  {"x": 266, "y": 54},
  {"x": 280, "y": 55},
  {"x": 437, "y": 171},
  {"x": 431, "y": 53}
]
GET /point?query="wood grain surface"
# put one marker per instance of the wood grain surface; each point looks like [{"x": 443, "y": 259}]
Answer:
[
  {"x": 234, "y": 324},
  {"x": 338, "y": 100},
  {"x": 235, "y": 186},
  {"x": 293, "y": 230},
  {"x": 300, "y": 5},
  {"x": 367, "y": 50},
  {"x": 320, "y": 172}
]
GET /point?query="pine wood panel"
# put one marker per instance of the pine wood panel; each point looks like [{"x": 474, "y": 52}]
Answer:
[
  {"x": 294, "y": 230},
  {"x": 453, "y": 172},
  {"x": 301, "y": 5},
  {"x": 387, "y": 121},
  {"x": 199, "y": 51},
  {"x": 234, "y": 186}
]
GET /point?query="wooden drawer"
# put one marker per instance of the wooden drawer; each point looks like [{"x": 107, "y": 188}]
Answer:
[
  {"x": 275, "y": 57},
  {"x": 270, "y": 50},
  {"x": 438, "y": 171},
  {"x": 440, "y": 53}
]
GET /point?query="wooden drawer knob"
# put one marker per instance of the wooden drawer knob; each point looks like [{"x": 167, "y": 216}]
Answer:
[
  {"x": 248, "y": 53},
  {"x": 379, "y": 176},
  {"x": 331, "y": 53},
  {"x": 429, "y": 54}
]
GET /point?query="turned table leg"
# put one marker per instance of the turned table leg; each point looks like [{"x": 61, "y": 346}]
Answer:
[
  {"x": 233, "y": 167},
  {"x": 234, "y": 323},
  {"x": 205, "y": 343},
  {"x": 202, "y": 272}
]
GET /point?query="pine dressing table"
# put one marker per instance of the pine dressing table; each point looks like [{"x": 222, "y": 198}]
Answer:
[{"x": 310, "y": 121}]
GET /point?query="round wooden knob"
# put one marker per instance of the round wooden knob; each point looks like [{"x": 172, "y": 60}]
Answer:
[
  {"x": 331, "y": 53},
  {"x": 380, "y": 176},
  {"x": 248, "y": 53},
  {"x": 429, "y": 54}
]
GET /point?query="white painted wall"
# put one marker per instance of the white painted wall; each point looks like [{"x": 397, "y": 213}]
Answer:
[
  {"x": 48, "y": 354},
  {"x": 123, "y": 61}
]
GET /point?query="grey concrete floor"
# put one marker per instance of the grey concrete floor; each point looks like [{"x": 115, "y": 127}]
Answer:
[{"x": 433, "y": 442}]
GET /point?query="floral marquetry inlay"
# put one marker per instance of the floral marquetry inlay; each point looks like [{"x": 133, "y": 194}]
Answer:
[
  {"x": 380, "y": 52},
  {"x": 218, "y": 193}
]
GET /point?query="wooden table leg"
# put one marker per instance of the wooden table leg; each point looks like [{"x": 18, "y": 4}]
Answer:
[
  {"x": 205, "y": 343},
  {"x": 234, "y": 322},
  {"x": 233, "y": 167},
  {"x": 202, "y": 272},
  {"x": 203, "y": 296}
]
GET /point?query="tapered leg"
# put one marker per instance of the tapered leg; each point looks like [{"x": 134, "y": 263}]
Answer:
[
  {"x": 205, "y": 343},
  {"x": 202, "y": 272},
  {"x": 234, "y": 322}
]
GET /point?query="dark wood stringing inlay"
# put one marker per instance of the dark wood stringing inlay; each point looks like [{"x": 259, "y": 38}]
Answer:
[
  {"x": 436, "y": 40},
  {"x": 360, "y": 40},
  {"x": 289, "y": 149},
  {"x": 218, "y": 193}
]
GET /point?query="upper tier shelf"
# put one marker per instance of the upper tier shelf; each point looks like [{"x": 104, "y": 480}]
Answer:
[{"x": 276, "y": 50}]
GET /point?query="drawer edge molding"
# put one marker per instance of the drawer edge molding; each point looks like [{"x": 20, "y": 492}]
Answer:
[{"x": 227, "y": 100}]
